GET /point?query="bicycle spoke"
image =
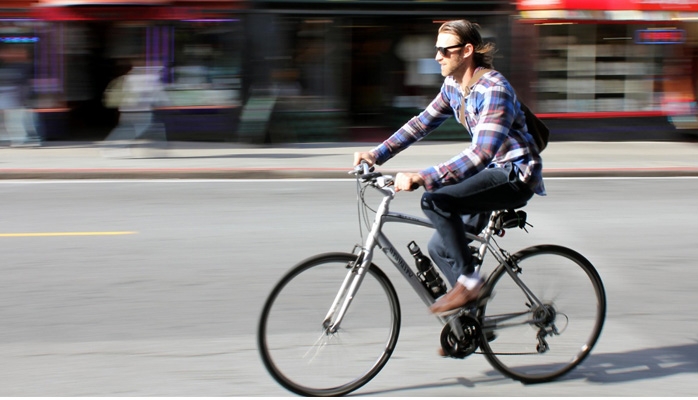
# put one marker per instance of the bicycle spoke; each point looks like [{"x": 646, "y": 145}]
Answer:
[
  {"x": 334, "y": 363},
  {"x": 317, "y": 348},
  {"x": 542, "y": 315},
  {"x": 557, "y": 333}
]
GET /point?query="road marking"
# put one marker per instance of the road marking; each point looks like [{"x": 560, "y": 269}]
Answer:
[{"x": 47, "y": 234}]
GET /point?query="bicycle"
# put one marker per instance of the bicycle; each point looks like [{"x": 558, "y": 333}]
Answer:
[{"x": 332, "y": 321}]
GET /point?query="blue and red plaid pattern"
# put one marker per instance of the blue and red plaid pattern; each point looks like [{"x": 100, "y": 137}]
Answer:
[{"x": 498, "y": 131}]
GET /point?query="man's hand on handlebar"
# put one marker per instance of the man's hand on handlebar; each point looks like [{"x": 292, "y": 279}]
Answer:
[
  {"x": 404, "y": 181},
  {"x": 408, "y": 181},
  {"x": 364, "y": 156}
]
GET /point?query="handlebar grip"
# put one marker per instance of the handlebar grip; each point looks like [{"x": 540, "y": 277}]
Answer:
[{"x": 414, "y": 186}]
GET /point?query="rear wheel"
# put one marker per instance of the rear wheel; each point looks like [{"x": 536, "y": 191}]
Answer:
[
  {"x": 295, "y": 343},
  {"x": 538, "y": 342}
]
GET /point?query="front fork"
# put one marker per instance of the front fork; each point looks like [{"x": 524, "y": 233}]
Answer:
[{"x": 357, "y": 271}]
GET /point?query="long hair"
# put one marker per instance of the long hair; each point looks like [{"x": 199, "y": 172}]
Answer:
[{"x": 467, "y": 32}]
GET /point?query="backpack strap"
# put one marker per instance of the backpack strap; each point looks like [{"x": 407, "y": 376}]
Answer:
[{"x": 476, "y": 77}]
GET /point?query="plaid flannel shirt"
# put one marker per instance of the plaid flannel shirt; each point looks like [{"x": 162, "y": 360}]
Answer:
[{"x": 497, "y": 127}]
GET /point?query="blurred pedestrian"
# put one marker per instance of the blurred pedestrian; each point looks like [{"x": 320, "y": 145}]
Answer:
[
  {"x": 16, "y": 118},
  {"x": 135, "y": 94},
  {"x": 500, "y": 169}
]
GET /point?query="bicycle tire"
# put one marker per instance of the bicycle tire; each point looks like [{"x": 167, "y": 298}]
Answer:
[
  {"x": 291, "y": 325},
  {"x": 575, "y": 304}
]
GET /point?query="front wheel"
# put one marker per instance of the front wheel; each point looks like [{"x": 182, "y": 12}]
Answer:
[
  {"x": 539, "y": 335},
  {"x": 295, "y": 343}
]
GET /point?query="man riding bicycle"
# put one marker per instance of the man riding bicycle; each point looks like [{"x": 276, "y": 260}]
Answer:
[{"x": 501, "y": 168}]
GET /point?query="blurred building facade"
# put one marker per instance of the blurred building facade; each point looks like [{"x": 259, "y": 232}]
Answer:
[
  {"x": 618, "y": 57},
  {"x": 356, "y": 69},
  {"x": 322, "y": 70},
  {"x": 79, "y": 47}
]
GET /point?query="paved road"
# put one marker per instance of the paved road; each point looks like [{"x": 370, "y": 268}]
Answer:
[{"x": 162, "y": 293}]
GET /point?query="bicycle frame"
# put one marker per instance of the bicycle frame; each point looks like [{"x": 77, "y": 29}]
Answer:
[
  {"x": 376, "y": 237},
  {"x": 506, "y": 323}
]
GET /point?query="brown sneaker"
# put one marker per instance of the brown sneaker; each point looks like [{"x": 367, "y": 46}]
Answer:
[{"x": 456, "y": 298}]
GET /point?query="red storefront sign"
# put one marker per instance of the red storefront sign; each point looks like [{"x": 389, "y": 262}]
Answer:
[
  {"x": 132, "y": 10},
  {"x": 114, "y": 13},
  {"x": 609, "y": 5},
  {"x": 16, "y": 9}
]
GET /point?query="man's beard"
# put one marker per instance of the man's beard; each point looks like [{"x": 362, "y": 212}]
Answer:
[{"x": 452, "y": 68}]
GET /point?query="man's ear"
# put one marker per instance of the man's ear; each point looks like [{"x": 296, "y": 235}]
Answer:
[{"x": 468, "y": 50}]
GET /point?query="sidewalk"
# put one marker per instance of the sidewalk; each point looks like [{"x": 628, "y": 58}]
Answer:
[{"x": 188, "y": 160}]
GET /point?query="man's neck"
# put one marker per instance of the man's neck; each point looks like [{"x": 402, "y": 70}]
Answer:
[{"x": 464, "y": 77}]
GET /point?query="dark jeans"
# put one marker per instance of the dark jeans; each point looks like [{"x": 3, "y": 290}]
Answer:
[{"x": 466, "y": 206}]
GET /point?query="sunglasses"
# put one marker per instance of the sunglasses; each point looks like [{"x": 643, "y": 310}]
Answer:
[{"x": 445, "y": 50}]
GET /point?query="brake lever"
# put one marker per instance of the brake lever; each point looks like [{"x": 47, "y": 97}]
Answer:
[
  {"x": 362, "y": 169},
  {"x": 370, "y": 176},
  {"x": 387, "y": 180}
]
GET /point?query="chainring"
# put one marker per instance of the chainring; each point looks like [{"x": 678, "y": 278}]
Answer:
[{"x": 471, "y": 338}]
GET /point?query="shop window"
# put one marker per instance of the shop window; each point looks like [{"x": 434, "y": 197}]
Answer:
[
  {"x": 599, "y": 68},
  {"x": 204, "y": 64}
]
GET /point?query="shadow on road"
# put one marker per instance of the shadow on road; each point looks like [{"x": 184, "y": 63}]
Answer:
[{"x": 636, "y": 365}]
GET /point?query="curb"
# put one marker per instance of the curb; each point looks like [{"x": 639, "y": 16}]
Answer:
[
  {"x": 294, "y": 173},
  {"x": 621, "y": 172},
  {"x": 174, "y": 173}
]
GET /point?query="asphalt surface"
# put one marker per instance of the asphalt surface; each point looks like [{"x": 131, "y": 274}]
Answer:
[
  {"x": 171, "y": 309},
  {"x": 204, "y": 160}
]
